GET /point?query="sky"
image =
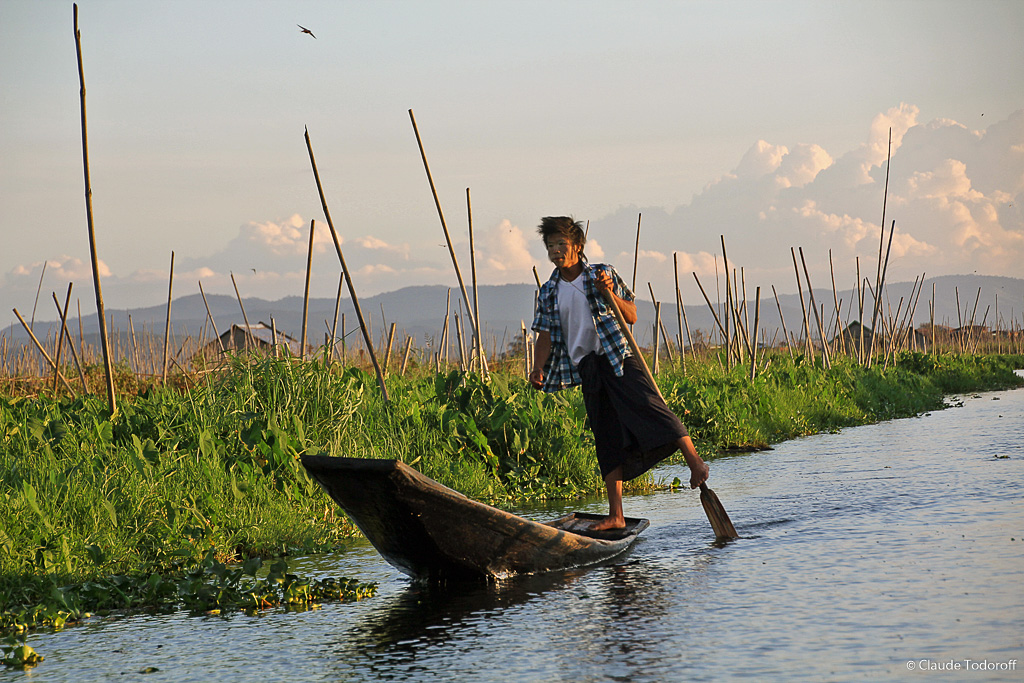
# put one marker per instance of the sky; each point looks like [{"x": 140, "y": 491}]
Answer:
[{"x": 764, "y": 123}]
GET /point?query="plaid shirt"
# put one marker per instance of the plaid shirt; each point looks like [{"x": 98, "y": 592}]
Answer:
[{"x": 559, "y": 371}]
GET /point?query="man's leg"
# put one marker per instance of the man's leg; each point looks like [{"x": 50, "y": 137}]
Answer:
[{"x": 615, "y": 519}]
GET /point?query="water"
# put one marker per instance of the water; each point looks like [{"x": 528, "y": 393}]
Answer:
[{"x": 860, "y": 552}]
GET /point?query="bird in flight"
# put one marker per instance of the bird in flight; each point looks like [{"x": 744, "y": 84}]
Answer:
[{"x": 305, "y": 30}]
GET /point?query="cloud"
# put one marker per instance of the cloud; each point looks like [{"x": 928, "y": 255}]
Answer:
[
  {"x": 506, "y": 251},
  {"x": 954, "y": 194},
  {"x": 64, "y": 267}
]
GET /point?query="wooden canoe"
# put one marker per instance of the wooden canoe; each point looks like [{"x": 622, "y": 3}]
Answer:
[{"x": 428, "y": 530}]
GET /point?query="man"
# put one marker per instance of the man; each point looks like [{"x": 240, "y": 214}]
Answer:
[{"x": 579, "y": 342}]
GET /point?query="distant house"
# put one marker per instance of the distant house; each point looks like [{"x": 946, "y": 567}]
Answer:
[
  {"x": 258, "y": 337},
  {"x": 850, "y": 338}
]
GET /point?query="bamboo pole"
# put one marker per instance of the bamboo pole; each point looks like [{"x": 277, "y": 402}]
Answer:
[
  {"x": 100, "y": 313},
  {"x": 636, "y": 254},
  {"x": 475, "y": 318},
  {"x": 245, "y": 318},
  {"x": 686, "y": 325},
  {"x": 803, "y": 306},
  {"x": 387, "y": 352},
  {"x": 405, "y": 354},
  {"x": 273, "y": 337},
  {"x": 817, "y": 317},
  {"x": 305, "y": 294},
  {"x": 334, "y": 327},
  {"x": 713, "y": 313},
  {"x": 209, "y": 314},
  {"x": 679, "y": 304},
  {"x": 536, "y": 277},
  {"x": 42, "y": 350},
  {"x": 39, "y": 288},
  {"x": 447, "y": 236},
  {"x": 728, "y": 307},
  {"x": 782, "y": 319},
  {"x": 348, "y": 276},
  {"x": 879, "y": 288},
  {"x": 167, "y": 322},
  {"x": 757, "y": 316},
  {"x": 657, "y": 337},
  {"x": 63, "y": 332}
]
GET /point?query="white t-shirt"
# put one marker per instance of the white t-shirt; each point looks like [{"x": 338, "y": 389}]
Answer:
[{"x": 577, "y": 321}]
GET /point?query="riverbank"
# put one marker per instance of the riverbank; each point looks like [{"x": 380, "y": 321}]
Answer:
[{"x": 211, "y": 475}]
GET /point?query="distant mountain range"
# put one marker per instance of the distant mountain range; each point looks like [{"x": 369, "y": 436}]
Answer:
[{"x": 420, "y": 311}]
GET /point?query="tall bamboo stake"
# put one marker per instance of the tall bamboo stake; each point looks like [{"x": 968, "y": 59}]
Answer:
[
  {"x": 782, "y": 319},
  {"x": 334, "y": 327},
  {"x": 757, "y": 316},
  {"x": 447, "y": 236},
  {"x": 273, "y": 337},
  {"x": 879, "y": 288},
  {"x": 817, "y": 317},
  {"x": 803, "y": 306},
  {"x": 100, "y": 313},
  {"x": 305, "y": 294},
  {"x": 39, "y": 288},
  {"x": 679, "y": 305},
  {"x": 728, "y": 307},
  {"x": 348, "y": 276},
  {"x": 245, "y": 318},
  {"x": 657, "y": 338},
  {"x": 405, "y": 354},
  {"x": 475, "y": 318},
  {"x": 636, "y": 254},
  {"x": 167, "y": 322}
]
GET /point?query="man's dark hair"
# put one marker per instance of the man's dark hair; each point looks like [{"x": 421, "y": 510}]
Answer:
[{"x": 563, "y": 226}]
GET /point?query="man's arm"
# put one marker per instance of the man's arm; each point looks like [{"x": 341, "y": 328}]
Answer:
[
  {"x": 603, "y": 281},
  {"x": 541, "y": 351}
]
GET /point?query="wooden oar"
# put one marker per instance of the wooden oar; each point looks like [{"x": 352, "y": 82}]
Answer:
[{"x": 719, "y": 518}]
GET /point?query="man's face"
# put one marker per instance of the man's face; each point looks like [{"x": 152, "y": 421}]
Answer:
[{"x": 562, "y": 252}]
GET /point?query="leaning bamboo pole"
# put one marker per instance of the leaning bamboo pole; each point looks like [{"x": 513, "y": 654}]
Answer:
[
  {"x": 657, "y": 338},
  {"x": 348, "y": 276},
  {"x": 803, "y": 306},
  {"x": 42, "y": 350},
  {"x": 710, "y": 306},
  {"x": 447, "y": 237},
  {"x": 334, "y": 327},
  {"x": 782, "y": 319},
  {"x": 821, "y": 330},
  {"x": 64, "y": 333},
  {"x": 245, "y": 318},
  {"x": 101, "y": 315},
  {"x": 167, "y": 322},
  {"x": 213, "y": 323}
]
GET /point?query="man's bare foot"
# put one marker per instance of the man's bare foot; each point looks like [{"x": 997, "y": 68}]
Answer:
[{"x": 609, "y": 523}]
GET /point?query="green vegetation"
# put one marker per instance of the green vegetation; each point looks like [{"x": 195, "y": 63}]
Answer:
[{"x": 177, "y": 498}]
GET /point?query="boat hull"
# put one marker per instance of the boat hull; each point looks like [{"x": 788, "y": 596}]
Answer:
[{"x": 428, "y": 530}]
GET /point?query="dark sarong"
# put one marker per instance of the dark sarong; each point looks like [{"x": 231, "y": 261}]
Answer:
[{"x": 632, "y": 425}]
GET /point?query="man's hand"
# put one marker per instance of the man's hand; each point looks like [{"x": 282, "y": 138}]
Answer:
[
  {"x": 537, "y": 378},
  {"x": 603, "y": 281}
]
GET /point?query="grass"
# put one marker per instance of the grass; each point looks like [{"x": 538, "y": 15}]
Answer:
[{"x": 189, "y": 476}]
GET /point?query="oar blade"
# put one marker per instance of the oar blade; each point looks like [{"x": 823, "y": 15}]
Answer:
[{"x": 719, "y": 518}]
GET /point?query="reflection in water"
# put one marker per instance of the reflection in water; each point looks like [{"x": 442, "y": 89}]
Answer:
[{"x": 859, "y": 551}]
